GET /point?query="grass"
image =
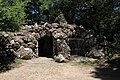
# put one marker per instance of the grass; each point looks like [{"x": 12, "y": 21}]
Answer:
[
  {"x": 6, "y": 67},
  {"x": 86, "y": 64},
  {"x": 16, "y": 63},
  {"x": 89, "y": 63}
]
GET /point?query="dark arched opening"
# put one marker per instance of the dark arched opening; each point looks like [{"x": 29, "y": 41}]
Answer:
[{"x": 45, "y": 47}]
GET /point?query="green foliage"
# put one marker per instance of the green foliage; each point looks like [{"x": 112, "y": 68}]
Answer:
[
  {"x": 87, "y": 63},
  {"x": 14, "y": 64},
  {"x": 41, "y": 11},
  {"x": 53, "y": 8},
  {"x": 12, "y": 14},
  {"x": 101, "y": 17},
  {"x": 45, "y": 4}
]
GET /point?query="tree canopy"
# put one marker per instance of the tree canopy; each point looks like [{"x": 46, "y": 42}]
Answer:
[
  {"x": 12, "y": 14},
  {"x": 100, "y": 16}
]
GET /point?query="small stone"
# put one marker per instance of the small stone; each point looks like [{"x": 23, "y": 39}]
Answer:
[
  {"x": 59, "y": 58},
  {"x": 31, "y": 45},
  {"x": 24, "y": 53},
  {"x": 28, "y": 27},
  {"x": 12, "y": 42}
]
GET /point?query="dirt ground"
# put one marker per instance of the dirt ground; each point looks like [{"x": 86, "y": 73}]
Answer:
[{"x": 46, "y": 69}]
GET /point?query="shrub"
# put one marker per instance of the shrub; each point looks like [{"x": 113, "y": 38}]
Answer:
[{"x": 12, "y": 14}]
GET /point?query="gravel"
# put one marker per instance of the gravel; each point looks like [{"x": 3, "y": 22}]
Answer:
[{"x": 47, "y": 69}]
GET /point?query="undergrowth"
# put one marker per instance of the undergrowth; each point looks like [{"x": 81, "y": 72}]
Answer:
[{"x": 6, "y": 67}]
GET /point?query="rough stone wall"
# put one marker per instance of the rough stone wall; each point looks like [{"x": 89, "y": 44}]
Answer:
[
  {"x": 7, "y": 55},
  {"x": 89, "y": 43},
  {"x": 24, "y": 43}
]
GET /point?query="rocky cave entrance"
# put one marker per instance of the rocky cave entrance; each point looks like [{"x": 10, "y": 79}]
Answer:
[{"x": 45, "y": 47}]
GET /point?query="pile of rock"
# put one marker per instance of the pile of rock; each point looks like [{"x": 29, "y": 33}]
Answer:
[
  {"x": 90, "y": 44},
  {"x": 7, "y": 55},
  {"x": 60, "y": 33},
  {"x": 24, "y": 44}
]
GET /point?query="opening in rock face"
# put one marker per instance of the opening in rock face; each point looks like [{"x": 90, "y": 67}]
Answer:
[
  {"x": 45, "y": 47},
  {"x": 76, "y": 46}
]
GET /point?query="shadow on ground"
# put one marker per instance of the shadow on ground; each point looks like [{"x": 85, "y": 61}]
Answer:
[
  {"x": 6, "y": 65},
  {"x": 5, "y": 61},
  {"x": 111, "y": 72}
]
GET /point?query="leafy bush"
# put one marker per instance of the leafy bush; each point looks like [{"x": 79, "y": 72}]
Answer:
[
  {"x": 41, "y": 11},
  {"x": 12, "y": 14}
]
